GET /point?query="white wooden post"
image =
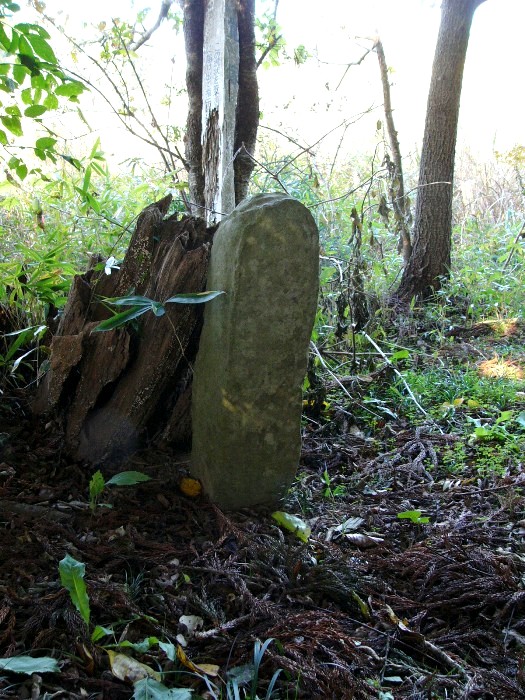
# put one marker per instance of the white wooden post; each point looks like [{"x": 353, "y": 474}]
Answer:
[{"x": 220, "y": 89}]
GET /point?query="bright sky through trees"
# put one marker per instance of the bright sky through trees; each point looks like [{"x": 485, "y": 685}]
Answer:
[{"x": 335, "y": 32}]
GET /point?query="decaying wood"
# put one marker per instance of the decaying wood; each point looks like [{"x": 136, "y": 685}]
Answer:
[{"x": 114, "y": 389}]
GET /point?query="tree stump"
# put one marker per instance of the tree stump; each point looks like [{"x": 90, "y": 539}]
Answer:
[{"x": 114, "y": 390}]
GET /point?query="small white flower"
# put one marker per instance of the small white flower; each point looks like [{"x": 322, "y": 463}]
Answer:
[{"x": 110, "y": 265}]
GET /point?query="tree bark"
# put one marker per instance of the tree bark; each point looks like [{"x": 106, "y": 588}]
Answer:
[
  {"x": 429, "y": 262},
  {"x": 194, "y": 41},
  {"x": 113, "y": 390},
  {"x": 247, "y": 117}
]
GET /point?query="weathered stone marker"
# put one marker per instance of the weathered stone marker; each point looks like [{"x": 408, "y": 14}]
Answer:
[{"x": 253, "y": 352}]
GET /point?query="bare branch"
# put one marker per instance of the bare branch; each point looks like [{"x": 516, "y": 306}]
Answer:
[{"x": 163, "y": 14}]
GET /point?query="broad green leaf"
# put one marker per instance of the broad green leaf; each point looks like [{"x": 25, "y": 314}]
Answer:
[
  {"x": 35, "y": 111},
  {"x": 20, "y": 72},
  {"x": 3, "y": 138},
  {"x": 51, "y": 101},
  {"x": 5, "y": 41},
  {"x": 30, "y": 665},
  {"x": 414, "y": 516},
  {"x": 13, "y": 111},
  {"x": 70, "y": 89},
  {"x": 504, "y": 416},
  {"x": 72, "y": 578},
  {"x": 21, "y": 171},
  {"x": 30, "y": 29},
  {"x": 24, "y": 47},
  {"x": 42, "y": 48},
  {"x": 45, "y": 142},
  {"x": 400, "y": 355},
  {"x": 150, "y": 689},
  {"x": 13, "y": 125},
  {"x": 520, "y": 418},
  {"x": 119, "y": 320},
  {"x": 127, "y": 479},
  {"x": 195, "y": 298},
  {"x": 294, "y": 524}
]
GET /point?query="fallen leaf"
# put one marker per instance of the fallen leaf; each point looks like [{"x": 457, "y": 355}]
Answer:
[
  {"x": 126, "y": 668},
  {"x": 208, "y": 669}
]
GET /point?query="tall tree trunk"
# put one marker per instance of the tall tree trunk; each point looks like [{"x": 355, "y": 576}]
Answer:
[
  {"x": 194, "y": 38},
  {"x": 432, "y": 232},
  {"x": 247, "y": 118}
]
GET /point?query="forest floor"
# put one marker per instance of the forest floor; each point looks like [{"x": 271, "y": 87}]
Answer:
[{"x": 373, "y": 605}]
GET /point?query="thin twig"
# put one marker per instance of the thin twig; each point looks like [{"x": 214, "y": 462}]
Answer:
[{"x": 398, "y": 373}]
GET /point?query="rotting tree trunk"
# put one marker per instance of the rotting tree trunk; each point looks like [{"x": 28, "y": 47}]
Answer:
[
  {"x": 429, "y": 262},
  {"x": 113, "y": 390}
]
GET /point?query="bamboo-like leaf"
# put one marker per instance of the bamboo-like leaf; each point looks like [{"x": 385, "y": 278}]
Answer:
[
  {"x": 193, "y": 298},
  {"x": 121, "y": 319},
  {"x": 127, "y": 479},
  {"x": 72, "y": 577}
]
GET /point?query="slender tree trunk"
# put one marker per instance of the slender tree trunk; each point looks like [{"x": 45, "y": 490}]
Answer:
[
  {"x": 400, "y": 202},
  {"x": 194, "y": 39},
  {"x": 432, "y": 232},
  {"x": 247, "y": 118}
]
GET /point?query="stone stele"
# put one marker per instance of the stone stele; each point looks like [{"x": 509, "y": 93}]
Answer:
[{"x": 251, "y": 363}]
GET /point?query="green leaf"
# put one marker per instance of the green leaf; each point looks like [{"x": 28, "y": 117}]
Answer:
[
  {"x": 5, "y": 41},
  {"x": 133, "y": 300},
  {"x": 51, "y": 101},
  {"x": 35, "y": 111},
  {"x": 13, "y": 125},
  {"x": 72, "y": 161},
  {"x": 140, "y": 647},
  {"x": 70, "y": 89},
  {"x": 72, "y": 578},
  {"x": 121, "y": 319},
  {"x": 97, "y": 484},
  {"x": 169, "y": 649},
  {"x": 20, "y": 72},
  {"x": 21, "y": 171},
  {"x": 400, "y": 355},
  {"x": 294, "y": 524},
  {"x": 3, "y": 138},
  {"x": 42, "y": 49},
  {"x": 504, "y": 416},
  {"x": 195, "y": 298},
  {"x": 45, "y": 142},
  {"x": 414, "y": 516},
  {"x": 520, "y": 419},
  {"x": 99, "y": 632},
  {"x": 127, "y": 479},
  {"x": 24, "y": 47},
  {"x": 150, "y": 689},
  {"x": 29, "y": 665}
]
